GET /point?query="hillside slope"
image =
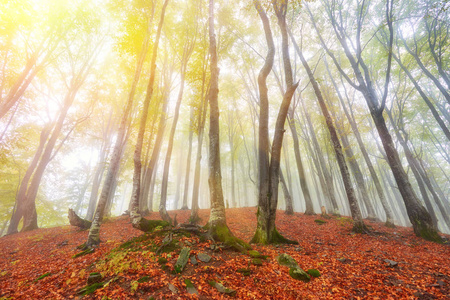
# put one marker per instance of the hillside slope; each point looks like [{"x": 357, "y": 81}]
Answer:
[{"x": 351, "y": 266}]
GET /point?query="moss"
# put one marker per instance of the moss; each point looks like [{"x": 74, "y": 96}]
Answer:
[
  {"x": 287, "y": 260},
  {"x": 151, "y": 225},
  {"x": 245, "y": 272},
  {"x": 313, "y": 273},
  {"x": 257, "y": 261},
  {"x": 42, "y": 276},
  {"x": 89, "y": 289},
  {"x": 188, "y": 283},
  {"x": 256, "y": 254},
  {"x": 144, "y": 279},
  {"x": 320, "y": 222},
  {"x": 87, "y": 251},
  {"x": 136, "y": 243},
  {"x": 426, "y": 232},
  {"x": 277, "y": 238},
  {"x": 360, "y": 227},
  {"x": 223, "y": 234},
  {"x": 162, "y": 260},
  {"x": 299, "y": 274}
]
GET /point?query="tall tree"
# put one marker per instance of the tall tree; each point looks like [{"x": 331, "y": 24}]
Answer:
[{"x": 419, "y": 217}]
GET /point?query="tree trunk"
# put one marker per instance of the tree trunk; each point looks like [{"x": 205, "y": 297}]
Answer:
[
  {"x": 387, "y": 210},
  {"x": 162, "y": 204},
  {"x": 134, "y": 213},
  {"x": 188, "y": 162},
  {"x": 358, "y": 225},
  {"x": 21, "y": 195},
  {"x": 301, "y": 173},
  {"x": 287, "y": 196},
  {"x": 94, "y": 232}
]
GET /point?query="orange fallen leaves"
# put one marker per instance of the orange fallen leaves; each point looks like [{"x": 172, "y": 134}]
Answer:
[{"x": 352, "y": 266}]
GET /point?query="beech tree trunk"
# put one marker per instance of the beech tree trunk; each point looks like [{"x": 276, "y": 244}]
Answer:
[
  {"x": 93, "y": 239},
  {"x": 188, "y": 162},
  {"x": 358, "y": 224},
  {"x": 301, "y": 173},
  {"x": 134, "y": 213}
]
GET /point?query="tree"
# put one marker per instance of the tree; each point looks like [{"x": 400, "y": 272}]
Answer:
[{"x": 418, "y": 215}]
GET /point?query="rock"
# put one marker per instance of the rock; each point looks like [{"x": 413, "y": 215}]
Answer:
[
  {"x": 194, "y": 260},
  {"x": 173, "y": 289},
  {"x": 222, "y": 289},
  {"x": 391, "y": 263},
  {"x": 190, "y": 287},
  {"x": 313, "y": 273},
  {"x": 257, "y": 261},
  {"x": 94, "y": 278},
  {"x": 287, "y": 261},
  {"x": 182, "y": 259},
  {"x": 245, "y": 272},
  {"x": 203, "y": 257},
  {"x": 212, "y": 247},
  {"x": 299, "y": 274},
  {"x": 254, "y": 254},
  {"x": 320, "y": 222}
]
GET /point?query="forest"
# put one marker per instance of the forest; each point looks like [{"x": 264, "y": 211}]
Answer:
[{"x": 208, "y": 149}]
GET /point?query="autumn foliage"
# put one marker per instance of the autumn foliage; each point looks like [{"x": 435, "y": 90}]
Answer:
[{"x": 387, "y": 264}]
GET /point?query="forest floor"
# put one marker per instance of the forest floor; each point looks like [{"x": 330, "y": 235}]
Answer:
[{"x": 40, "y": 264}]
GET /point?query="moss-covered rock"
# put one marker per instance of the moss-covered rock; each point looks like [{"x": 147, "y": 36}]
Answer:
[
  {"x": 320, "y": 222},
  {"x": 287, "y": 261},
  {"x": 257, "y": 261},
  {"x": 182, "y": 260},
  {"x": 221, "y": 288},
  {"x": 313, "y": 273},
  {"x": 190, "y": 287},
  {"x": 245, "y": 272},
  {"x": 94, "y": 278},
  {"x": 42, "y": 276},
  {"x": 89, "y": 289},
  {"x": 85, "y": 252},
  {"x": 299, "y": 274}
]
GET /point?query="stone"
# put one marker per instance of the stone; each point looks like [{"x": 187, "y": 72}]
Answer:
[
  {"x": 194, "y": 260},
  {"x": 203, "y": 257},
  {"x": 94, "y": 278},
  {"x": 313, "y": 273},
  {"x": 287, "y": 260},
  {"x": 299, "y": 274},
  {"x": 222, "y": 289},
  {"x": 190, "y": 287},
  {"x": 254, "y": 254},
  {"x": 391, "y": 263},
  {"x": 320, "y": 222},
  {"x": 173, "y": 289},
  {"x": 257, "y": 261},
  {"x": 182, "y": 259}
]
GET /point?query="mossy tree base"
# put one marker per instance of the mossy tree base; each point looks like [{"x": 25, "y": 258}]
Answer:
[
  {"x": 221, "y": 233},
  {"x": 310, "y": 212},
  {"x": 360, "y": 227},
  {"x": 426, "y": 231},
  {"x": 148, "y": 225},
  {"x": 261, "y": 237}
]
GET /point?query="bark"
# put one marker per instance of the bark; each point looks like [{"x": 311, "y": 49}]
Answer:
[
  {"x": 287, "y": 196},
  {"x": 324, "y": 172},
  {"x": 75, "y": 220},
  {"x": 387, "y": 210},
  {"x": 266, "y": 231},
  {"x": 94, "y": 232},
  {"x": 21, "y": 195},
  {"x": 162, "y": 206},
  {"x": 419, "y": 217},
  {"x": 301, "y": 172},
  {"x": 358, "y": 225},
  {"x": 188, "y": 162},
  {"x": 354, "y": 166},
  {"x": 134, "y": 213},
  {"x": 430, "y": 105}
]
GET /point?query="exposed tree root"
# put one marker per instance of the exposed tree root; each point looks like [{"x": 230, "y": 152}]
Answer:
[{"x": 75, "y": 220}]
